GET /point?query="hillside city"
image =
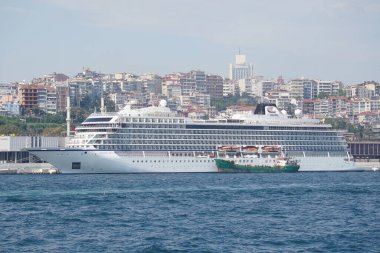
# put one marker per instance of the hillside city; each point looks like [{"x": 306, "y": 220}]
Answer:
[{"x": 38, "y": 106}]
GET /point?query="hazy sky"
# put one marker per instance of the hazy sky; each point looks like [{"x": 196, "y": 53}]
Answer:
[{"x": 332, "y": 39}]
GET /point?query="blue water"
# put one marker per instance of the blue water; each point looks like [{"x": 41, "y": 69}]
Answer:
[{"x": 301, "y": 212}]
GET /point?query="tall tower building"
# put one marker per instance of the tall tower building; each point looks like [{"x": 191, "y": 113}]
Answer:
[{"x": 240, "y": 70}]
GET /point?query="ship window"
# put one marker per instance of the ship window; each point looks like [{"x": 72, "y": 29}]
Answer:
[
  {"x": 75, "y": 165},
  {"x": 106, "y": 119}
]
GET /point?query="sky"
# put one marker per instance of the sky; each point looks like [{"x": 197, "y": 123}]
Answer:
[{"x": 319, "y": 39}]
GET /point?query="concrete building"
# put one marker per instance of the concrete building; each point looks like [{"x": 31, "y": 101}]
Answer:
[
  {"x": 188, "y": 83},
  {"x": 11, "y": 147},
  {"x": 79, "y": 88},
  {"x": 245, "y": 86},
  {"x": 279, "y": 97},
  {"x": 62, "y": 90},
  {"x": 171, "y": 86},
  {"x": 8, "y": 89},
  {"x": 322, "y": 108},
  {"x": 308, "y": 107},
  {"x": 230, "y": 88},
  {"x": 375, "y": 104},
  {"x": 339, "y": 106},
  {"x": 38, "y": 97},
  {"x": 261, "y": 88},
  {"x": 303, "y": 88},
  {"x": 325, "y": 87},
  {"x": 198, "y": 99},
  {"x": 360, "y": 105},
  {"x": 241, "y": 69},
  {"x": 214, "y": 86},
  {"x": 363, "y": 92}
]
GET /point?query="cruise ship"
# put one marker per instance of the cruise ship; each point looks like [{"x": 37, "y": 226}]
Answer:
[{"x": 156, "y": 139}]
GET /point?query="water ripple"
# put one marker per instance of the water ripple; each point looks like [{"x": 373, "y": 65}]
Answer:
[{"x": 302, "y": 212}]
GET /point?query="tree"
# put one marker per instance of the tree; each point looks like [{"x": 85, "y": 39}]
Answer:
[
  {"x": 221, "y": 104},
  {"x": 337, "y": 123},
  {"x": 53, "y": 131},
  {"x": 78, "y": 115},
  {"x": 9, "y": 130},
  {"x": 342, "y": 92},
  {"x": 323, "y": 95}
]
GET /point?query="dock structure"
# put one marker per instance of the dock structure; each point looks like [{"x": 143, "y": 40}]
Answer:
[
  {"x": 365, "y": 150},
  {"x": 15, "y": 159},
  {"x": 366, "y": 154}
]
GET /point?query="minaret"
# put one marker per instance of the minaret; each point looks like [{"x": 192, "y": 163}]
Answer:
[
  {"x": 68, "y": 118},
  {"x": 102, "y": 108}
]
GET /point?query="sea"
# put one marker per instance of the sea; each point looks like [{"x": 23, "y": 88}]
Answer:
[{"x": 205, "y": 212}]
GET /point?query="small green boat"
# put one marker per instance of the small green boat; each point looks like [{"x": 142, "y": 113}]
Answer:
[{"x": 234, "y": 166}]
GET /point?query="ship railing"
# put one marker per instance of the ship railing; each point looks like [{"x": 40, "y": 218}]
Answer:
[{"x": 103, "y": 114}]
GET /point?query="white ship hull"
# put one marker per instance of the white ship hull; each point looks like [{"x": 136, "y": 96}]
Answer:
[{"x": 94, "y": 161}]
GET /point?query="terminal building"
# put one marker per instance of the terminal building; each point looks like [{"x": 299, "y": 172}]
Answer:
[
  {"x": 12, "y": 148},
  {"x": 365, "y": 151}
]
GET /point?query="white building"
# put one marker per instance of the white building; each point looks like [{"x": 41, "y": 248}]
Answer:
[
  {"x": 262, "y": 87},
  {"x": 279, "y": 97},
  {"x": 360, "y": 105},
  {"x": 240, "y": 70},
  {"x": 245, "y": 86},
  {"x": 230, "y": 87},
  {"x": 322, "y": 107},
  {"x": 302, "y": 88},
  {"x": 325, "y": 87}
]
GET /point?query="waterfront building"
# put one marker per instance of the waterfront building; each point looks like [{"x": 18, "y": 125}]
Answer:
[{"x": 12, "y": 148}]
